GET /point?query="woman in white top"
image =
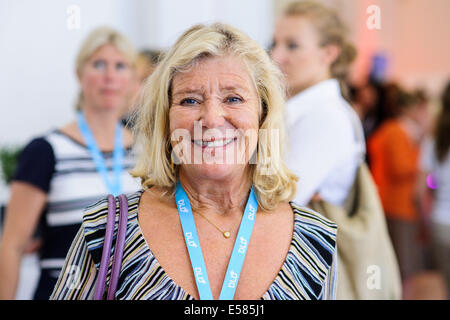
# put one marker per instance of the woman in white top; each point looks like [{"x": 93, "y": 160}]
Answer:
[
  {"x": 311, "y": 49},
  {"x": 435, "y": 173}
]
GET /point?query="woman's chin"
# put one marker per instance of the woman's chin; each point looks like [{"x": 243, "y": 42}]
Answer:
[
  {"x": 110, "y": 103},
  {"x": 214, "y": 171},
  {"x": 110, "y": 106}
]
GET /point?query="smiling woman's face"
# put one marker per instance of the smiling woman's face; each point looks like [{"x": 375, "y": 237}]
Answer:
[{"x": 215, "y": 108}]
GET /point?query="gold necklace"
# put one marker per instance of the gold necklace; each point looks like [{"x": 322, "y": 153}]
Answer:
[{"x": 226, "y": 234}]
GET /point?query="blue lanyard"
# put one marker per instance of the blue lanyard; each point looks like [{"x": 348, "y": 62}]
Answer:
[
  {"x": 195, "y": 251},
  {"x": 114, "y": 187}
]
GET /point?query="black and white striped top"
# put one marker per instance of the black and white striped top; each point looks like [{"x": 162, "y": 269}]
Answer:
[{"x": 64, "y": 169}]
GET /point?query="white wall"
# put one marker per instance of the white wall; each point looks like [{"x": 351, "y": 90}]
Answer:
[
  {"x": 37, "y": 82},
  {"x": 255, "y": 17}
]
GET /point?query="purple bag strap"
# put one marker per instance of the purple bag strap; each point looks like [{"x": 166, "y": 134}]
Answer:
[{"x": 118, "y": 251}]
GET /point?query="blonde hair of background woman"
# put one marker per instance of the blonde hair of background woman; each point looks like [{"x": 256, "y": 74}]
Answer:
[
  {"x": 154, "y": 165},
  {"x": 331, "y": 30},
  {"x": 95, "y": 40}
]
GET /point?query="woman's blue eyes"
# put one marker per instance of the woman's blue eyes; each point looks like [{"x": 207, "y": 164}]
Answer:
[
  {"x": 289, "y": 45},
  {"x": 188, "y": 101},
  {"x": 234, "y": 99},
  {"x": 101, "y": 65},
  {"x": 192, "y": 101}
]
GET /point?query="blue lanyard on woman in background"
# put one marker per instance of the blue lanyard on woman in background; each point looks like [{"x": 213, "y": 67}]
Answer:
[
  {"x": 115, "y": 186},
  {"x": 195, "y": 251}
]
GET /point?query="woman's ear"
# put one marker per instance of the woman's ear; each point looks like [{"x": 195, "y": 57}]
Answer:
[{"x": 331, "y": 53}]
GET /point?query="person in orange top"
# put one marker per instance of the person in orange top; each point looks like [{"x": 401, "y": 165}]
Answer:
[{"x": 394, "y": 152}]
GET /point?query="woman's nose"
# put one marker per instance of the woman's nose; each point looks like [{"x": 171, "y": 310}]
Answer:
[
  {"x": 110, "y": 72},
  {"x": 213, "y": 114}
]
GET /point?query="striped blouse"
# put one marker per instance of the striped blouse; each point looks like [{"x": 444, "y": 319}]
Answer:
[
  {"x": 308, "y": 272},
  {"x": 63, "y": 168}
]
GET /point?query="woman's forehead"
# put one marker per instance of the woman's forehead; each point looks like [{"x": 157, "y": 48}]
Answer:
[
  {"x": 224, "y": 73},
  {"x": 108, "y": 51}
]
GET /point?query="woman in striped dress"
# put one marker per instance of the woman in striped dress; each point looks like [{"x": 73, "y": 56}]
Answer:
[
  {"x": 214, "y": 219},
  {"x": 57, "y": 176}
]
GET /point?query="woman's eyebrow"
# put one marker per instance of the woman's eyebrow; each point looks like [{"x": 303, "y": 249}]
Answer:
[
  {"x": 234, "y": 88},
  {"x": 200, "y": 91},
  {"x": 185, "y": 91}
]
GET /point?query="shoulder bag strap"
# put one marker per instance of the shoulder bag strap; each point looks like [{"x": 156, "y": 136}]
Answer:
[{"x": 118, "y": 251}]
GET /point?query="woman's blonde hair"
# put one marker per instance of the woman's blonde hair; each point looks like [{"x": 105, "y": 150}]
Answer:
[
  {"x": 331, "y": 30},
  {"x": 95, "y": 40},
  {"x": 273, "y": 182}
]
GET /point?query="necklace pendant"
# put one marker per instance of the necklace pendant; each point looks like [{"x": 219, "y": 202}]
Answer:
[{"x": 227, "y": 234}]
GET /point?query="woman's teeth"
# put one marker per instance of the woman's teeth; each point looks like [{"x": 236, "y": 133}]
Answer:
[{"x": 213, "y": 144}]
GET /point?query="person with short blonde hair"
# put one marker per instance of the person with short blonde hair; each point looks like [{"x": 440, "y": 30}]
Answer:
[
  {"x": 154, "y": 164},
  {"x": 214, "y": 219},
  {"x": 62, "y": 171},
  {"x": 98, "y": 38}
]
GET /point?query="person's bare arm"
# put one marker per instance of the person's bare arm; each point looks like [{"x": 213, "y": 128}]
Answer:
[{"x": 22, "y": 215}]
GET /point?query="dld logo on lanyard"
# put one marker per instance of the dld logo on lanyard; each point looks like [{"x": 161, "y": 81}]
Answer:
[
  {"x": 114, "y": 187},
  {"x": 195, "y": 251}
]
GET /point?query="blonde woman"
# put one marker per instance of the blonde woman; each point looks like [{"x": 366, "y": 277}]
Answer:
[
  {"x": 57, "y": 175},
  {"x": 312, "y": 49},
  {"x": 211, "y": 129}
]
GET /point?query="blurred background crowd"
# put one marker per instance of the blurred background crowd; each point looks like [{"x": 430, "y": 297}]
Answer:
[{"x": 398, "y": 85}]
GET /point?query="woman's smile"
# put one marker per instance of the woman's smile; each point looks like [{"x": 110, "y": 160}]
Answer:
[{"x": 214, "y": 143}]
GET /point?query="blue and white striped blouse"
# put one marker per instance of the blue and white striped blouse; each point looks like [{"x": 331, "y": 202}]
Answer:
[{"x": 308, "y": 272}]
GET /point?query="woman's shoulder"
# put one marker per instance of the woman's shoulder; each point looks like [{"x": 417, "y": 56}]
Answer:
[
  {"x": 64, "y": 143},
  {"x": 391, "y": 133},
  {"x": 319, "y": 230},
  {"x": 391, "y": 126},
  {"x": 313, "y": 250},
  {"x": 95, "y": 217},
  {"x": 306, "y": 214},
  {"x": 38, "y": 146},
  {"x": 323, "y": 119},
  {"x": 72, "y": 133},
  {"x": 36, "y": 163},
  {"x": 41, "y": 144}
]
